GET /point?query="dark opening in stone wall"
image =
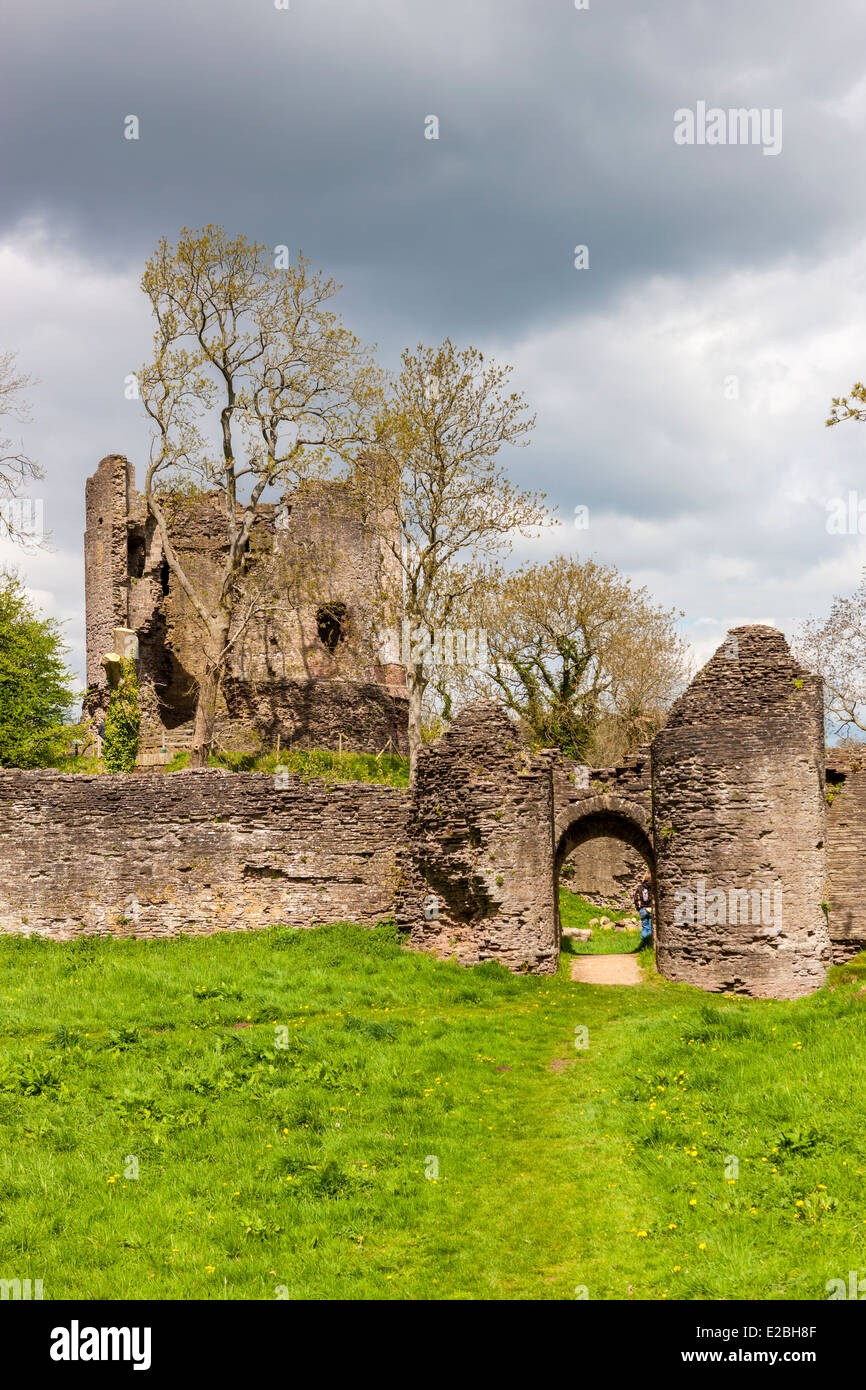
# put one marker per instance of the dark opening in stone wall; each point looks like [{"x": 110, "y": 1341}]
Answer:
[{"x": 331, "y": 624}]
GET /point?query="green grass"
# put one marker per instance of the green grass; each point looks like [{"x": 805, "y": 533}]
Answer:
[
  {"x": 575, "y": 911},
  {"x": 303, "y": 1167},
  {"x": 89, "y": 766},
  {"x": 390, "y": 769}
]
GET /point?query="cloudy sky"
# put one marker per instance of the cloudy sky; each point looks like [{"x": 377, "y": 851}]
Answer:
[{"x": 681, "y": 380}]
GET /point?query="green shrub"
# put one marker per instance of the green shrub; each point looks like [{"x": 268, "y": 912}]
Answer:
[{"x": 123, "y": 722}]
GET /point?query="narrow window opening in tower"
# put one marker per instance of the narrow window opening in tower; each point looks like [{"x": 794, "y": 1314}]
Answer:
[
  {"x": 135, "y": 556},
  {"x": 164, "y": 576},
  {"x": 331, "y": 624}
]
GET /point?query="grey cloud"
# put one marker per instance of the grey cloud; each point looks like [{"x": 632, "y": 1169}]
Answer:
[{"x": 306, "y": 126}]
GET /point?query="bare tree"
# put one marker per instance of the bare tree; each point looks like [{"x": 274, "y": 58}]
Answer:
[
  {"x": 255, "y": 384},
  {"x": 435, "y": 471},
  {"x": 836, "y": 649},
  {"x": 16, "y": 466}
]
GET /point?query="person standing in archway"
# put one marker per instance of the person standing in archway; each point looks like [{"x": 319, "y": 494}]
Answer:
[{"x": 643, "y": 901}]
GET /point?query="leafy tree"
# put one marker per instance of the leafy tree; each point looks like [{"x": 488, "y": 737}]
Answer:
[
  {"x": 435, "y": 472},
  {"x": 35, "y": 694},
  {"x": 586, "y": 660},
  {"x": 122, "y": 722},
  {"x": 850, "y": 407},
  {"x": 254, "y": 384}
]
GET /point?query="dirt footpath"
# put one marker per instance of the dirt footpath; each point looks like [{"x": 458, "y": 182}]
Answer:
[{"x": 621, "y": 969}]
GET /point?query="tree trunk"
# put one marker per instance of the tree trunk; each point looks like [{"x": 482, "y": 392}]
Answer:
[
  {"x": 415, "y": 683},
  {"x": 206, "y": 704}
]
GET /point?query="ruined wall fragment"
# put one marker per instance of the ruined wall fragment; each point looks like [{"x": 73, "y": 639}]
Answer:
[
  {"x": 312, "y": 555},
  {"x": 846, "y": 850},
  {"x": 477, "y": 875}
]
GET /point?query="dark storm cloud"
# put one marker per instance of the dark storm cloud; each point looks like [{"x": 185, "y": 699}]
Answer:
[{"x": 306, "y": 127}]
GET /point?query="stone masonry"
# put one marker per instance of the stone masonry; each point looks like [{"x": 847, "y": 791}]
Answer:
[
  {"x": 603, "y": 871},
  {"x": 755, "y": 848},
  {"x": 739, "y": 824},
  {"x": 477, "y": 872},
  {"x": 846, "y": 850},
  {"x": 310, "y": 668},
  {"x": 202, "y": 851}
]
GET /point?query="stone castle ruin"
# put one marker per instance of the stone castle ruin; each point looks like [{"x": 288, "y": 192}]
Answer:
[
  {"x": 309, "y": 667},
  {"x": 753, "y": 833}
]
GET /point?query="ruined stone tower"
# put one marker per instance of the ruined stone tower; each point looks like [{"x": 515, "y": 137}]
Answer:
[
  {"x": 310, "y": 667},
  {"x": 739, "y": 824}
]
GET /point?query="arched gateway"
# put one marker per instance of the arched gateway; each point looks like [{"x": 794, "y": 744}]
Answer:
[{"x": 602, "y": 816}]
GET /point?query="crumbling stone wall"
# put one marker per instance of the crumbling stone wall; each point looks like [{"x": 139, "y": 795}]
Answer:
[
  {"x": 749, "y": 839},
  {"x": 846, "y": 851},
  {"x": 312, "y": 553},
  {"x": 206, "y": 851},
  {"x": 321, "y": 713},
  {"x": 107, "y": 502},
  {"x": 739, "y": 813},
  {"x": 477, "y": 874},
  {"x": 577, "y": 789}
]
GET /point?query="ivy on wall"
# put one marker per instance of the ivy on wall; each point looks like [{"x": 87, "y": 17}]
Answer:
[{"x": 122, "y": 722}]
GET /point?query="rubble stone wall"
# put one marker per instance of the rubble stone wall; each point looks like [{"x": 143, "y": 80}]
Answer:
[
  {"x": 754, "y": 840},
  {"x": 203, "y": 851},
  {"x": 603, "y": 871},
  {"x": 846, "y": 851},
  {"x": 313, "y": 552},
  {"x": 477, "y": 878}
]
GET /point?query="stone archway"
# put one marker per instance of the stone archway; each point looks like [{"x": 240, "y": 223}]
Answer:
[{"x": 605, "y": 815}]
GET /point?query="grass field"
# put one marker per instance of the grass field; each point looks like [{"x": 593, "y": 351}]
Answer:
[
  {"x": 575, "y": 912},
  {"x": 428, "y": 1131}
]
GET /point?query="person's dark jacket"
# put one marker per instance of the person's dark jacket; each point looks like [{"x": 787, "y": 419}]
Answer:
[{"x": 643, "y": 897}]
